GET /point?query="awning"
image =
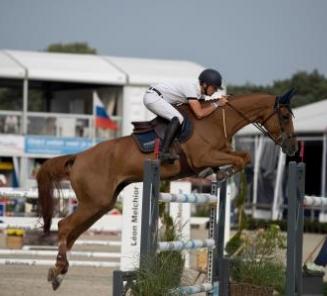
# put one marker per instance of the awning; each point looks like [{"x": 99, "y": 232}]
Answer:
[
  {"x": 9, "y": 68},
  {"x": 82, "y": 68},
  {"x": 147, "y": 71}
]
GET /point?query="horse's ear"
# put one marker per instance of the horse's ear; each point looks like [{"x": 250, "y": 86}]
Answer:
[{"x": 285, "y": 99}]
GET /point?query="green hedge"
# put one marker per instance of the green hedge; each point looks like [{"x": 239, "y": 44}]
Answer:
[{"x": 309, "y": 226}]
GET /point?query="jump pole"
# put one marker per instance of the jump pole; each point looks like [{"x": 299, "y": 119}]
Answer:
[{"x": 295, "y": 217}]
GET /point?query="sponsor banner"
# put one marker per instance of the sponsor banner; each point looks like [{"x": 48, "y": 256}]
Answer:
[
  {"x": 131, "y": 234},
  {"x": 11, "y": 145},
  {"x": 55, "y": 145},
  {"x": 2, "y": 209}
]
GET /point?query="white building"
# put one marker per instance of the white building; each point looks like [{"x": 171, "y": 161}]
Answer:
[{"x": 46, "y": 102}]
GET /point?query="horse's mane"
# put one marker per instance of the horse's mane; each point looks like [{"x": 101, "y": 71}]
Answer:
[
  {"x": 240, "y": 97},
  {"x": 184, "y": 107}
]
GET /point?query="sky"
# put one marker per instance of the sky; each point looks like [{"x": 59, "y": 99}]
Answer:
[{"x": 248, "y": 41}]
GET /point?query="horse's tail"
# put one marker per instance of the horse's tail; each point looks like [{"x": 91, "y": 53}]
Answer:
[{"x": 48, "y": 177}]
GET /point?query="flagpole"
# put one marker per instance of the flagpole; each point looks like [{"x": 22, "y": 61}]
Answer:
[{"x": 94, "y": 118}]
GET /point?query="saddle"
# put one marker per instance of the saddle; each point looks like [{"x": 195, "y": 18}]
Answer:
[{"x": 146, "y": 132}]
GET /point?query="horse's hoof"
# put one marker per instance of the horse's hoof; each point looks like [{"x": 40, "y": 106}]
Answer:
[
  {"x": 55, "y": 280},
  {"x": 206, "y": 173},
  {"x": 229, "y": 172},
  {"x": 220, "y": 175}
]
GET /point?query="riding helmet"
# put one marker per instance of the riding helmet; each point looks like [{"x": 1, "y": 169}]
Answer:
[{"x": 210, "y": 77}]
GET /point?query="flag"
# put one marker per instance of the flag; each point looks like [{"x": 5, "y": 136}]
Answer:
[{"x": 102, "y": 118}]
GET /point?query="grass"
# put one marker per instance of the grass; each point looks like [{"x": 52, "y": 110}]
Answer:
[
  {"x": 159, "y": 275},
  {"x": 163, "y": 272},
  {"x": 325, "y": 289}
]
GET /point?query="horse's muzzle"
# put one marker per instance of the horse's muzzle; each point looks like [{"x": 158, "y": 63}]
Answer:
[{"x": 289, "y": 145}]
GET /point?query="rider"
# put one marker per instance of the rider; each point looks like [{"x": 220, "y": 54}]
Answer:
[{"x": 162, "y": 97}]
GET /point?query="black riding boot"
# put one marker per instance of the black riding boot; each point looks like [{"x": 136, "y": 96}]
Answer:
[{"x": 171, "y": 131}]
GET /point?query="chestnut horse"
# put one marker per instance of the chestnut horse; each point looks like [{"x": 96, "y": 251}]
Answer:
[{"x": 98, "y": 174}]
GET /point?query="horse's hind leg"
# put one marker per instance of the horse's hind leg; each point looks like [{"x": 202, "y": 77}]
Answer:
[
  {"x": 77, "y": 231},
  {"x": 66, "y": 227},
  {"x": 103, "y": 205}
]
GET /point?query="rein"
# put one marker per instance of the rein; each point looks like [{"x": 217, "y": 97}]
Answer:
[{"x": 259, "y": 126}]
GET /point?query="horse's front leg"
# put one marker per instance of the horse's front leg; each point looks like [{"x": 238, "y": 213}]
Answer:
[
  {"x": 237, "y": 161},
  {"x": 245, "y": 155},
  {"x": 215, "y": 159}
]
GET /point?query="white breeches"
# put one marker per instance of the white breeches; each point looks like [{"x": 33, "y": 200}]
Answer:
[{"x": 160, "y": 106}]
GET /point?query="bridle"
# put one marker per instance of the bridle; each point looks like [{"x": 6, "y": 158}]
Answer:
[{"x": 260, "y": 125}]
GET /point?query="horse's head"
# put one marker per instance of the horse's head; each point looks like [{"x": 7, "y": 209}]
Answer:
[{"x": 279, "y": 123}]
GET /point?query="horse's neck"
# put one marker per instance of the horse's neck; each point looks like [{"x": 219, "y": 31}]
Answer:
[{"x": 253, "y": 109}]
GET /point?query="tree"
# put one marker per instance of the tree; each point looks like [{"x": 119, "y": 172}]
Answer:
[
  {"x": 74, "y": 47},
  {"x": 310, "y": 87}
]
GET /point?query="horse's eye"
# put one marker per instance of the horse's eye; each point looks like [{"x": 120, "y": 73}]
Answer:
[{"x": 285, "y": 117}]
